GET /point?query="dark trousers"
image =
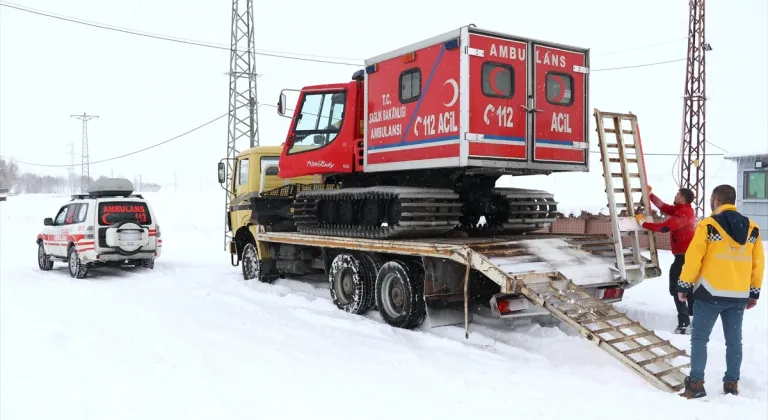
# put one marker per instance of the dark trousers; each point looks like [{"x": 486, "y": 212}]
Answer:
[
  {"x": 683, "y": 312},
  {"x": 731, "y": 314}
]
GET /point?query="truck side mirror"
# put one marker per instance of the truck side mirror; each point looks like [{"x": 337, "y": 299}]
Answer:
[
  {"x": 48, "y": 221},
  {"x": 222, "y": 177},
  {"x": 281, "y": 104}
]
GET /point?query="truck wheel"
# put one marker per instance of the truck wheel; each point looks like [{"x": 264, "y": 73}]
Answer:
[
  {"x": 252, "y": 267},
  {"x": 400, "y": 294},
  {"x": 371, "y": 265},
  {"x": 43, "y": 261},
  {"x": 350, "y": 284},
  {"x": 77, "y": 269}
]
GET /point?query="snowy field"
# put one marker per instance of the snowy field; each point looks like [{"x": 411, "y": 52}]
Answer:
[{"x": 192, "y": 340}]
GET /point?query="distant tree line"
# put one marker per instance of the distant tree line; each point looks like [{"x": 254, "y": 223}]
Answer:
[{"x": 27, "y": 183}]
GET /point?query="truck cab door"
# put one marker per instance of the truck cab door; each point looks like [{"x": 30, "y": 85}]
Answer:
[
  {"x": 560, "y": 106},
  {"x": 242, "y": 192},
  {"x": 321, "y": 136}
]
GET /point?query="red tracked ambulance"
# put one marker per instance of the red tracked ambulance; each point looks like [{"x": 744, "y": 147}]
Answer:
[{"x": 414, "y": 144}]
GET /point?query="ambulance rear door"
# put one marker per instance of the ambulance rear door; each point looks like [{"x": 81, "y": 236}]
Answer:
[
  {"x": 498, "y": 86},
  {"x": 559, "y": 107}
]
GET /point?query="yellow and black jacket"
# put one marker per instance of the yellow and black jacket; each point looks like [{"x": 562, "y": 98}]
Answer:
[{"x": 725, "y": 258}]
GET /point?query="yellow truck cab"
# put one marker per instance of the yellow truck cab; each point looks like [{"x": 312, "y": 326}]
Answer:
[{"x": 253, "y": 172}]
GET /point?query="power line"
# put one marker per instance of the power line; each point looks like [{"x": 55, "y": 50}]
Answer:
[
  {"x": 657, "y": 63},
  {"x": 665, "y": 154},
  {"x": 642, "y": 47},
  {"x": 266, "y": 53},
  {"x": 216, "y": 119},
  {"x": 282, "y": 54},
  {"x": 126, "y": 154}
]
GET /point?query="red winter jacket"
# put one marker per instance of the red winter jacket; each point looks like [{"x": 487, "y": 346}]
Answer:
[{"x": 681, "y": 224}]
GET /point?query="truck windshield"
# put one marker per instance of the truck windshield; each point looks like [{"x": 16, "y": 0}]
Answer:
[{"x": 318, "y": 121}]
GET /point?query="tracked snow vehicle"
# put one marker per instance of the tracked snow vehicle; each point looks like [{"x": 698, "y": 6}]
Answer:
[{"x": 414, "y": 144}]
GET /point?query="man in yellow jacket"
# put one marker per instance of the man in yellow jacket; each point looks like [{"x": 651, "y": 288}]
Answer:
[{"x": 723, "y": 271}]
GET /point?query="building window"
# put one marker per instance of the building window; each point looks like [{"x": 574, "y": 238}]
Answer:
[
  {"x": 498, "y": 80},
  {"x": 559, "y": 89},
  {"x": 410, "y": 85},
  {"x": 755, "y": 185}
]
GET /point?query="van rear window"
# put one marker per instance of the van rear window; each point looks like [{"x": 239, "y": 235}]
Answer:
[
  {"x": 119, "y": 211},
  {"x": 559, "y": 89},
  {"x": 498, "y": 80}
]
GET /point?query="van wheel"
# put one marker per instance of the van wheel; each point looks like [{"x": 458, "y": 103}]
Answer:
[
  {"x": 77, "y": 269},
  {"x": 43, "y": 261},
  {"x": 400, "y": 294},
  {"x": 350, "y": 283},
  {"x": 253, "y": 268}
]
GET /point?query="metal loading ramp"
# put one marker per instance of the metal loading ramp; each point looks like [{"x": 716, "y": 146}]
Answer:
[{"x": 656, "y": 360}]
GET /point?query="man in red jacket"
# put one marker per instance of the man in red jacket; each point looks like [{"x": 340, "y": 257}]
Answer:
[{"x": 681, "y": 226}]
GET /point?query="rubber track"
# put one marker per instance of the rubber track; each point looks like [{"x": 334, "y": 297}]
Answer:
[
  {"x": 530, "y": 210},
  {"x": 423, "y": 212}
]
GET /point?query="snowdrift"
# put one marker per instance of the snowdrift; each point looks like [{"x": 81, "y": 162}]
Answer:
[{"x": 191, "y": 340}]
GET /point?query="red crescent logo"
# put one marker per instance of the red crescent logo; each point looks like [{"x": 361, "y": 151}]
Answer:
[
  {"x": 494, "y": 87},
  {"x": 560, "y": 81},
  {"x": 104, "y": 218}
]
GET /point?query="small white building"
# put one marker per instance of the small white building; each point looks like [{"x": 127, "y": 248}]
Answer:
[{"x": 752, "y": 187}]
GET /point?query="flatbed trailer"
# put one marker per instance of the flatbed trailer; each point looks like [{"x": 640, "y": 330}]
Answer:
[
  {"x": 574, "y": 278},
  {"x": 571, "y": 277}
]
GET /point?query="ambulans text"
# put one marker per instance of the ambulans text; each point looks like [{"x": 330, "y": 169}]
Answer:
[
  {"x": 507, "y": 51},
  {"x": 550, "y": 58}
]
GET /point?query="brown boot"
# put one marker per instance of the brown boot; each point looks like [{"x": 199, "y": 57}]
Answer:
[
  {"x": 731, "y": 387},
  {"x": 693, "y": 389}
]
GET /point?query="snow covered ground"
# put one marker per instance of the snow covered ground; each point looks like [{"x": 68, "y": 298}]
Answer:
[{"x": 192, "y": 340}]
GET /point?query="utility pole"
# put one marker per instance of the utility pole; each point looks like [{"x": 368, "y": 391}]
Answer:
[
  {"x": 243, "y": 118},
  {"x": 71, "y": 169},
  {"x": 85, "y": 175},
  {"x": 693, "y": 142}
]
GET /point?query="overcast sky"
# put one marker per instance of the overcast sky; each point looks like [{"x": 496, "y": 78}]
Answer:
[{"x": 146, "y": 91}]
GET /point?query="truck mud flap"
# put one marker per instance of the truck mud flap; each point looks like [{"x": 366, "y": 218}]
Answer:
[{"x": 444, "y": 292}]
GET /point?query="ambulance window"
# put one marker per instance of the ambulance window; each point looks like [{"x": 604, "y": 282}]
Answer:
[
  {"x": 559, "y": 89},
  {"x": 498, "y": 80},
  {"x": 410, "y": 85},
  {"x": 60, "y": 217},
  {"x": 82, "y": 211},
  {"x": 71, "y": 211}
]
